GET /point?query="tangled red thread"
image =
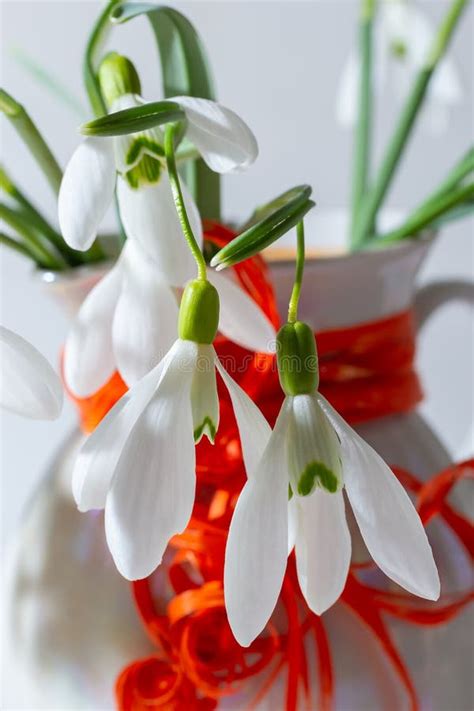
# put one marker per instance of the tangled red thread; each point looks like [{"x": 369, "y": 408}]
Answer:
[{"x": 365, "y": 372}]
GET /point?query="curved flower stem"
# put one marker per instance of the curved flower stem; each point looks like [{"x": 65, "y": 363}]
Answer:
[
  {"x": 27, "y": 130},
  {"x": 170, "y": 133},
  {"x": 300, "y": 257}
]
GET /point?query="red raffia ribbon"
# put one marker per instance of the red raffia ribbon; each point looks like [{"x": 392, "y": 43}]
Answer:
[{"x": 366, "y": 372}]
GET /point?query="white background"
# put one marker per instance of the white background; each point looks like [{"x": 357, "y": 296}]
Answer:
[{"x": 276, "y": 63}]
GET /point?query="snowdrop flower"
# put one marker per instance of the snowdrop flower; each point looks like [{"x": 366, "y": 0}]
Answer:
[
  {"x": 128, "y": 322},
  {"x": 146, "y": 207},
  {"x": 403, "y": 36},
  {"x": 311, "y": 455},
  {"x": 28, "y": 384},
  {"x": 139, "y": 464},
  {"x": 129, "y": 319}
]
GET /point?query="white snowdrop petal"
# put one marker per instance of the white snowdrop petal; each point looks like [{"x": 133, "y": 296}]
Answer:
[
  {"x": 149, "y": 216},
  {"x": 28, "y": 384},
  {"x": 254, "y": 429},
  {"x": 86, "y": 191},
  {"x": 388, "y": 521},
  {"x": 152, "y": 493},
  {"x": 222, "y": 138},
  {"x": 292, "y": 523},
  {"x": 323, "y": 549},
  {"x": 98, "y": 457},
  {"x": 89, "y": 359},
  {"x": 146, "y": 316},
  {"x": 257, "y": 545},
  {"x": 204, "y": 399},
  {"x": 240, "y": 319},
  {"x": 346, "y": 99}
]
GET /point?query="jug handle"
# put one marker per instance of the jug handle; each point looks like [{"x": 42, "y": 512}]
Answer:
[
  {"x": 427, "y": 301},
  {"x": 433, "y": 295}
]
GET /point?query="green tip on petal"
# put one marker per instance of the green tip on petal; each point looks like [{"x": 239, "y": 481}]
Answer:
[
  {"x": 117, "y": 76},
  {"x": 207, "y": 428},
  {"x": 316, "y": 475},
  {"x": 199, "y": 312}
]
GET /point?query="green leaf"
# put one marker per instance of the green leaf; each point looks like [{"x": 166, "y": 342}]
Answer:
[
  {"x": 185, "y": 72},
  {"x": 267, "y": 209},
  {"x": 92, "y": 57},
  {"x": 432, "y": 214},
  {"x": 290, "y": 209},
  {"x": 26, "y": 129},
  {"x": 137, "y": 118}
]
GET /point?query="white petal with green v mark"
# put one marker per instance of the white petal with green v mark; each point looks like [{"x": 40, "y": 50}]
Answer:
[
  {"x": 204, "y": 399},
  {"x": 28, "y": 384},
  {"x": 149, "y": 217},
  {"x": 86, "y": 191},
  {"x": 257, "y": 544},
  {"x": 145, "y": 317},
  {"x": 152, "y": 490},
  {"x": 323, "y": 548},
  {"x": 314, "y": 450},
  {"x": 240, "y": 319},
  {"x": 223, "y": 139},
  {"x": 388, "y": 521}
]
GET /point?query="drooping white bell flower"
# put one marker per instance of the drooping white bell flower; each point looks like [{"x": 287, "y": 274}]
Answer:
[
  {"x": 139, "y": 464},
  {"x": 313, "y": 454},
  {"x": 128, "y": 322},
  {"x": 403, "y": 36},
  {"x": 28, "y": 384},
  {"x": 222, "y": 138}
]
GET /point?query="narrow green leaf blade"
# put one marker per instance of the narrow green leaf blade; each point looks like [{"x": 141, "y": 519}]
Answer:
[
  {"x": 265, "y": 232},
  {"x": 185, "y": 72},
  {"x": 137, "y": 118}
]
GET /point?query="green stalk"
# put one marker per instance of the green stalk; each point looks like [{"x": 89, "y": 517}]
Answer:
[
  {"x": 16, "y": 246},
  {"x": 420, "y": 219},
  {"x": 405, "y": 125},
  {"x": 462, "y": 168},
  {"x": 27, "y": 130},
  {"x": 300, "y": 258},
  {"x": 170, "y": 132},
  {"x": 40, "y": 253},
  {"x": 92, "y": 57},
  {"x": 39, "y": 223},
  {"x": 364, "y": 121}
]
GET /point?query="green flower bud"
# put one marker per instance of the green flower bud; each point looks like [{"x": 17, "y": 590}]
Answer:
[
  {"x": 199, "y": 312},
  {"x": 117, "y": 76},
  {"x": 297, "y": 359}
]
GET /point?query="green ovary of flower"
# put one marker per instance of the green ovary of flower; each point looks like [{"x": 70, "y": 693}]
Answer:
[
  {"x": 117, "y": 76},
  {"x": 297, "y": 359},
  {"x": 399, "y": 49},
  {"x": 199, "y": 312}
]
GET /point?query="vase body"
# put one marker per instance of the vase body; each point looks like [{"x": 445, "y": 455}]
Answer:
[{"x": 71, "y": 621}]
